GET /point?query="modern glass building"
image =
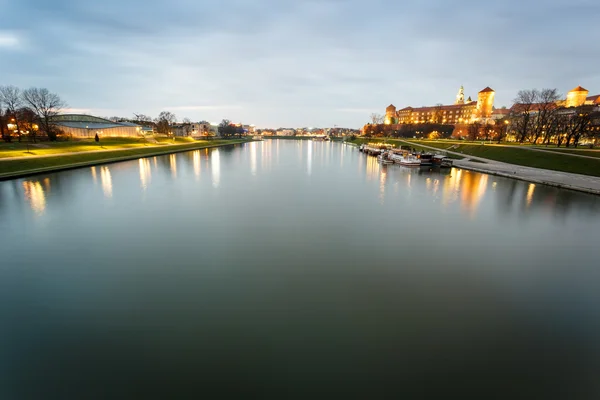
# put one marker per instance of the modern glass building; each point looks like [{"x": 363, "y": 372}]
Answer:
[{"x": 80, "y": 125}]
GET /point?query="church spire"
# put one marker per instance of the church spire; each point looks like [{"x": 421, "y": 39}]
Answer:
[{"x": 460, "y": 97}]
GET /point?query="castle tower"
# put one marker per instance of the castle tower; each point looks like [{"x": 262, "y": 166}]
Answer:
[
  {"x": 390, "y": 114},
  {"x": 460, "y": 97},
  {"x": 576, "y": 97},
  {"x": 485, "y": 103}
]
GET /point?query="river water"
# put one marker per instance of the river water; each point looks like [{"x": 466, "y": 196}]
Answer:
[{"x": 297, "y": 269}]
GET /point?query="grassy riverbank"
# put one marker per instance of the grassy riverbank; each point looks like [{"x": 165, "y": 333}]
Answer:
[
  {"x": 517, "y": 154},
  {"x": 10, "y": 168},
  {"x": 522, "y": 156}
]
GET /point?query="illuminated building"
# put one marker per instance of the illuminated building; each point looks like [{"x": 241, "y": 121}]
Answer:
[
  {"x": 79, "y": 125},
  {"x": 461, "y": 112}
]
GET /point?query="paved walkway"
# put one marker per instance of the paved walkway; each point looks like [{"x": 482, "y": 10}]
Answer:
[{"x": 582, "y": 183}]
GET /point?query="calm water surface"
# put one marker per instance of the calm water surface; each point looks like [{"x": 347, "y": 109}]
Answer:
[{"x": 297, "y": 269}]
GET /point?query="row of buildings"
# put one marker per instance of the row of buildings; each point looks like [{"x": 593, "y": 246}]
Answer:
[
  {"x": 82, "y": 125},
  {"x": 470, "y": 111}
]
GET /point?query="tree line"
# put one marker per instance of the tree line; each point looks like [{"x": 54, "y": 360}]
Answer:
[
  {"x": 539, "y": 117},
  {"x": 28, "y": 112}
]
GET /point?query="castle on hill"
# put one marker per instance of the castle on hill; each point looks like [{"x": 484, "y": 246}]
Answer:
[{"x": 461, "y": 112}]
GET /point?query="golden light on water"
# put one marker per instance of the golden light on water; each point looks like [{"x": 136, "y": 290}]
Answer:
[
  {"x": 196, "y": 159},
  {"x": 382, "y": 179},
  {"x": 309, "y": 158},
  {"x": 34, "y": 194},
  {"x": 106, "y": 181},
  {"x": 173, "y": 164},
  {"x": 145, "y": 172},
  {"x": 94, "y": 174},
  {"x": 253, "y": 157},
  {"x": 530, "y": 191},
  {"x": 215, "y": 167},
  {"x": 372, "y": 167}
]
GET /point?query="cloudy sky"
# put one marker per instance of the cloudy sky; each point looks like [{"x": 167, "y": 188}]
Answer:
[{"x": 291, "y": 63}]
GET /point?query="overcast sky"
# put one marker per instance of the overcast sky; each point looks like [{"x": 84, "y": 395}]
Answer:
[{"x": 294, "y": 63}]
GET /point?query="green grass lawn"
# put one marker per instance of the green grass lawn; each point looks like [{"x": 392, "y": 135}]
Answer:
[
  {"x": 16, "y": 149},
  {"x": 579, "y": 152},
  {"x": 33, "y": 163},
  {"x": 525, "y": 157}
]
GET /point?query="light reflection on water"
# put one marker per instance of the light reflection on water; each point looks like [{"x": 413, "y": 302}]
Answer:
[
  {"x": 197, "y": 164},
  {"x": 34, "y": 195},
  {"x": 106, "y": 179},
  {"x": 369, "y": 268},
  {"x": 145, "y": 172},
  {"x": 216, "y": 168}
]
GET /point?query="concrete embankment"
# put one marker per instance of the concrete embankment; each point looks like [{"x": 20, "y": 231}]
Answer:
[{"x": 565, "y": 180}]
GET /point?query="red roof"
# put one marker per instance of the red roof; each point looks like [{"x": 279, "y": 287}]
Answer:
[
  {"x": 579, "y": 89},
  {"x": 501, "y": 111},
  {"x": 390, "y": 106},
  {"x": 594, "y": 99},
  {"x": 486, "y": 90}
]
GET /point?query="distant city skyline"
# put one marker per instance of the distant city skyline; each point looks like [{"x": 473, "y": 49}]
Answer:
[{"x": 293, "y": 64}]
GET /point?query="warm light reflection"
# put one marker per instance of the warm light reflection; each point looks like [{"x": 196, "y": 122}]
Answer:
[
  {"x": 215, "y": 164},
  {"x": 472, "y": 189},
  {"x": 94, "y": 174},
  {"x": 47, "y": 184},
  {"x": 372, "y": 167},
  {"x": 34, "y": 194},
  {"x": 196, "y": 157},
  {"x": 106, "y": 181},
  {"x": 145, "y": 172},
  {"x": 173, "y": 164},
  {"x": 155, "y": 162},
  {"x": 253, "y": 157},
  {"x": 382, "y": 179},
  {"x": 309, "y": 158},
  {"x": 530, "y": 191}
]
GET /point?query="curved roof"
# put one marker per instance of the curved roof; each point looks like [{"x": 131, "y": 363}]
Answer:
[
  {"x": 84, "y": 121},
  {"x": 80, "y": 118},
  {"x": 486, "y": 90},
  {"x": 579, "y": 89}
]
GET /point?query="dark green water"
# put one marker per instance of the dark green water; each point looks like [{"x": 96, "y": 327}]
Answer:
[{"x": 297, "y": 270}]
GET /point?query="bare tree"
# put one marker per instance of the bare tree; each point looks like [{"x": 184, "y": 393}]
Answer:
[
  {"x": 142, "y": 118},
  {"x": 546, "y": 109},
  {"x": 376, "y": 119},
  {"x": 164, "y": 121},
  {"x": 187, "y": 126},
  {"x": 578, "y": 124},
  {"x": 522, "y": 119},
  {"x": 28, "y": 122},
  {"x": 501, "y": 129},
  {"x": 11, "y": 97},
  {"x": 46, "y": 105},
  {"x": 3, "y": 121},
  {"x": 555, "y": 126},
  {"x": 438, "y": 116},
  {"x": 473, "y": 132}
]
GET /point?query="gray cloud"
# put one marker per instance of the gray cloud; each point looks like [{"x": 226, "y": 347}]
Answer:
[{"x": 279, "y": 63}]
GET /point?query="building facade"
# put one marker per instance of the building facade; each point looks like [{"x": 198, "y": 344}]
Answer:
[
  {"x": 461, "y": 112},
  {"x": 80, "y": 125}
]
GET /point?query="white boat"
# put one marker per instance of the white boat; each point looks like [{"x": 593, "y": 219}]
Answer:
[
  {"x": 384, "y": 158},
  {"x": 407, "y": 160}
]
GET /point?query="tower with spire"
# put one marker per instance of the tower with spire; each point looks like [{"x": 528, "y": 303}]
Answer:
[{"x": 460, "y": 97}]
